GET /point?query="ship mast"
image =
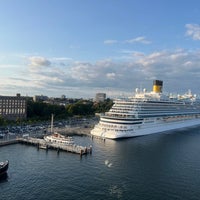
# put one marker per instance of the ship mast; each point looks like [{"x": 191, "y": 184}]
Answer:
[{"x": 52, "y": 123}]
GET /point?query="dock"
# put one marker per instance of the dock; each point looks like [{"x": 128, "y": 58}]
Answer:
[
  {"x": 8, "y": 142},
  {"x": 41, "y": 143}
]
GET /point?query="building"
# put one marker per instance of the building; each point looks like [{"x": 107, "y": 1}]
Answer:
[
  {"x": 100, "y": 97},
  {"x": 63, "y": 97},
  {"x": 37, "y": 98},
  {"x": 13, "y": 107}
]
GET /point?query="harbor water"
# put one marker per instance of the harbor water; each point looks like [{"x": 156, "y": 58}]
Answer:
[{"x": 159, "y": 166}]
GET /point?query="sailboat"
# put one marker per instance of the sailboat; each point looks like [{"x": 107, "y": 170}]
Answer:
[{"x": 57, "y": 138}]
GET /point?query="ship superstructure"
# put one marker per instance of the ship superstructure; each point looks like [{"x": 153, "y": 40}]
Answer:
[{"x": 147, "y": 113}]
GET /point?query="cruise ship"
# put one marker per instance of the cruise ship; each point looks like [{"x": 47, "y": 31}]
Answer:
[{"x": 147, "y": 113}]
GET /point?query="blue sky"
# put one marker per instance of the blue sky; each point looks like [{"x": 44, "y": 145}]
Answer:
[{"x": 81, "y": 47}]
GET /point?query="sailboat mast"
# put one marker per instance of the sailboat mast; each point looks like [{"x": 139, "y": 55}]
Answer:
[{"x": 52, "y": 123}]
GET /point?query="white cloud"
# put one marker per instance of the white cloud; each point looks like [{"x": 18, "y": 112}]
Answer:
[
  {"x": 111, "y": 76},
  {"x": 83, "y": 72},
  {"x": 193, "y": 31},
  {"x": 140, "y": 39},
  {"x": 110, "y": 41},
  {"x": 188, "y": 63},
  {"x": 36, "y": 61},
  {"x": 179, "y": 69},
  {"x": 133, "y": 53},
  {"x": 61, "y": 59}
]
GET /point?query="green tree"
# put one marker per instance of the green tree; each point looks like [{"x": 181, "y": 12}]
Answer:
[{"x": 3, "y": 122}]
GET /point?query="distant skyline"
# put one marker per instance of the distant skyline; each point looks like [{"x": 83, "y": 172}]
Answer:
[{"x": 79, "y": 48}]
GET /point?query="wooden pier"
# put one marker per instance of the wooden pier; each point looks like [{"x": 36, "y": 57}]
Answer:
[{"x": 40, "y": 143}]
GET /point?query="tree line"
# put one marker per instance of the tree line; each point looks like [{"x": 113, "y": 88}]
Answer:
[{"x": 42, "y": 111}]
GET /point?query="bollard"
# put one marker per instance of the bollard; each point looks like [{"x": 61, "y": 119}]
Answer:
[
  {"x": 90, "y": 149},
  {"x": 81, "y": 153}
]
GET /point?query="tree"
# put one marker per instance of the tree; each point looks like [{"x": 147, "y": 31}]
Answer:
[{"x": 3, "y": 122}]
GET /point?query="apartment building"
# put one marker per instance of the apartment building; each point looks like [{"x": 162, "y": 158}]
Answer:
[{"x": 13, "y": 107}]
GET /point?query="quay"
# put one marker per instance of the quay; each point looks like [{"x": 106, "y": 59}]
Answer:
[
  {"x": 41, "y": 143},
  {"x": 9, "y": 142}
]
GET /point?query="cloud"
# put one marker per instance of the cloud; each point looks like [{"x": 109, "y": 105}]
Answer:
[
  {"x": 140, "y": 39},
  {"x": 179, "y": 69},
  {"x": 61, "y": 59},
  {"x": 82, "y": 71},
  {"x": 130, "y": 54},
  {"x": 38, "y": 61},
  {"x": 193, "y": 31},
  {"x": 111, "y": 75},
  {"x": 110, "y": 42}
]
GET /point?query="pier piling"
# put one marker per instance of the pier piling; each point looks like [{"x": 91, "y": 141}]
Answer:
[{"x": 90, "y": 149}]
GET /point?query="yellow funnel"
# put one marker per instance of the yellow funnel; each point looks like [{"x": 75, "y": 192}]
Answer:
[{"x": 157, "y": 86}]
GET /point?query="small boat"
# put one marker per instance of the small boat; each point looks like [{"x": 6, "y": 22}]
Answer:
[
  {"x": 59, "y": 139},
  {"x": 3, "y": 167}
]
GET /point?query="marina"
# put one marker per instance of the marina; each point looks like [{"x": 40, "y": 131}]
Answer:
[{"x": 52, "y": 139}]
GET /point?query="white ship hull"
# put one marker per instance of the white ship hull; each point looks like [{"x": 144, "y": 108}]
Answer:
[
  {"x": 147, "y": 113},
  {"x": 59, "y": 139},
  {"x": 146, "y": 129}
]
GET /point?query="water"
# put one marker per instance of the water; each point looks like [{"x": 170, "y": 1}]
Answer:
[{"x": 161, "y": 166}]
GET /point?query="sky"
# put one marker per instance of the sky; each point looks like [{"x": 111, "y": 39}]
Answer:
[{"x": 78, "y": 48}]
